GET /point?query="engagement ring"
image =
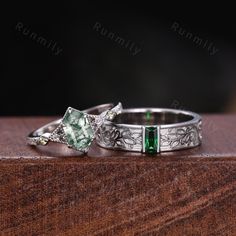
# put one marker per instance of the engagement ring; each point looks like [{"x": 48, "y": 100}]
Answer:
[{"x": 77, "y": 129}]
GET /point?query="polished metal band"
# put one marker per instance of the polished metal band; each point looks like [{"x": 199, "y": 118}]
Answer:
[
  {"x": 54, "y": 131},
  {"x": 170, "y": 130}
]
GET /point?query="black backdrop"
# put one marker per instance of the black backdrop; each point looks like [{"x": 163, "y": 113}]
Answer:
[{"x": 82, "y": 55}]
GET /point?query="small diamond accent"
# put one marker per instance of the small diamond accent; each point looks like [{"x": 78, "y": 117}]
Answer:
[{"x": 43, "y": 141}]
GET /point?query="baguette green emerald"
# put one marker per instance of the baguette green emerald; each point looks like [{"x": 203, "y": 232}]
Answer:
[
  {"x": 151, "y": 140},
  {"x": 78, "y": 131}
]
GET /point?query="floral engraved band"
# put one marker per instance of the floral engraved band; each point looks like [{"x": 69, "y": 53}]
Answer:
[
  {"x": 151, "y": 130},
  {"x": 77, "y": 129}
]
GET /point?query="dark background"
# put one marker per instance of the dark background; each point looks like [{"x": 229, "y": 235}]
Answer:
[{"x": 169, "y": 71}]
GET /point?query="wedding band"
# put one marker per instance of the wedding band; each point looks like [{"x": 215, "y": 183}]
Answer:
[
  {"x": 151, "y": 130},
  {"x": 77, "y": 129}
]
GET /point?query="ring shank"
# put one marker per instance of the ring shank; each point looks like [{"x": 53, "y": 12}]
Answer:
[
  {"x": 178, "y": 129},
  {"x": 96, "y": 110},
  {"x": 151, "y": 118}
]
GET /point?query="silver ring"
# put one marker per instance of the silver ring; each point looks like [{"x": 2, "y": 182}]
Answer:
[
  {"x": 77, "y": 129},
  {"x": 151, "y": 130}
]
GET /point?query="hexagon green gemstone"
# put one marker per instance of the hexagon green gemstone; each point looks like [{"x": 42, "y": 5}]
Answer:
[{"x": 78, "y": 131}]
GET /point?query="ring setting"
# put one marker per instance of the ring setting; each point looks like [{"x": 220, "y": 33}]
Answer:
[
  {"x": 77, "y": 129},
  {"x": 151, "y": 138}
]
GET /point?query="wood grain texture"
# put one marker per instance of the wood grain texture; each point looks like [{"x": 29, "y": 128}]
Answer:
[{"x": 55, "y": 191}]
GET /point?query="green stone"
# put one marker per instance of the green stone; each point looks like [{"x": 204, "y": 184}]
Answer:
[
  {"x": 148, "y": 117},
  {"x": 78, "y": 131},
  {"x": 151, "y": 140}
]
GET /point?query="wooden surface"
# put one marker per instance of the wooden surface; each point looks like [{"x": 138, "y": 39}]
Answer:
[{"x": 54, "y": 191}]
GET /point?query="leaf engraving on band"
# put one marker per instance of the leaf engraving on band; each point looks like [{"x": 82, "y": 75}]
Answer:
[
  {"x": 123, "y": 138},
  {"x": 181, "y": 137}
]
